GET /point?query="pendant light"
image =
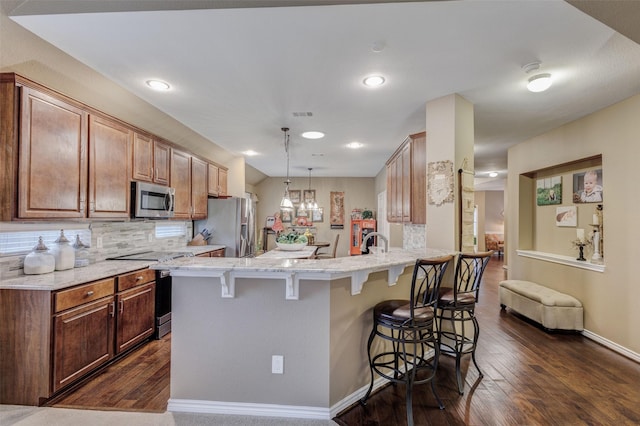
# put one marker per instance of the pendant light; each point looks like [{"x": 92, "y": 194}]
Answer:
[
  {"x": 311, "y": 204},
  {"x": 286, "y": 203}
]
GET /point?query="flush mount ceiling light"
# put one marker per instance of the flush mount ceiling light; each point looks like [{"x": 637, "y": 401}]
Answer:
[
  {"x": 374, "y": 81},
  {"x": 250, "y": 153},
  {"x": 354, "y": 145},
  {"x": 539, "y": 83},
  {"x": 312, "y": 135},
  {"x": 158, "y": 85},
  {"x": 493, "y": 174}
]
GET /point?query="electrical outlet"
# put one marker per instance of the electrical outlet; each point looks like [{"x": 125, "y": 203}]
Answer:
[
  {"x": 277, "y": 364},
  {"x": 150, "y": 237},
  {"x": 99, "y": 242}
]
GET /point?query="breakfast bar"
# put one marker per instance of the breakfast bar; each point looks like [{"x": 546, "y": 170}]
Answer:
[{"x": 234, "y": 318}]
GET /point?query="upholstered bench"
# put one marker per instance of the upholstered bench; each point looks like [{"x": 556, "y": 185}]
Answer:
[{"x": 551, "y": 308}]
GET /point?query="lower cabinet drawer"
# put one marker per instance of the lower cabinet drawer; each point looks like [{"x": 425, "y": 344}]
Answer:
[{"x": 85, "y": 293}]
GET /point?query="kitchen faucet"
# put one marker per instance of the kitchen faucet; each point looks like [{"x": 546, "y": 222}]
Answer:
[{"x": 363, "y": 246}]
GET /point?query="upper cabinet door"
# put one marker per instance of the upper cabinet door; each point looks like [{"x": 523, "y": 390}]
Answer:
[
  {"x": 213, "y": 186},
  {"x": 109, "y": 168},
  {"x": 181, "y": 182},
  {"x": 52, "y": 181},
  {"x": 222, "y": 182},
  {"x": 142, "y": 157},
  {"x": 161, "y": 163},
  {"x": 198, "y": 188}
]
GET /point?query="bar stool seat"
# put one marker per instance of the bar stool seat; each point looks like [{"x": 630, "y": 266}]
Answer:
[
  {"x": 411, "y": 354},
  {"x": 456, "y": 306}
]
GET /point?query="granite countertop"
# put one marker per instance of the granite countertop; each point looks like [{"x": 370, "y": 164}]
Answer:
[
  {"x": 338, "y": 265},
  {"x": 304, "y": 253},
  {"x": 62, "y": 279}
]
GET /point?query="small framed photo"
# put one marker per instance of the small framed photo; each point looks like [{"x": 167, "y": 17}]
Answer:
[
  {"x": 309, "y": 195},
  {"x": 294, "y": 196},
  {"x": 285, "y": 215},
  {"x": 587, "y": 186},
  {"x": 302, "y": 212},
  {"x": 317, "y": 215},
  {"x": 567, "y": 216},
  {"x": 549, "y": 191}
]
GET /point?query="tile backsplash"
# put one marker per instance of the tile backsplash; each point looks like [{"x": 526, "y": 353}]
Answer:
[
  {"x": 414, "y": 237},
  {"x": 117, "y": 239}
]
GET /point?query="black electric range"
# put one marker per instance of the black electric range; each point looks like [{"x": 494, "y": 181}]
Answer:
[{"x": 163, "y": 286}]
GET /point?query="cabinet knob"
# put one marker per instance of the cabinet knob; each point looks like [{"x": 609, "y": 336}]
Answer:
[
  {"x": 90, "y": 293},
  {"x": 139, "y": 278}
]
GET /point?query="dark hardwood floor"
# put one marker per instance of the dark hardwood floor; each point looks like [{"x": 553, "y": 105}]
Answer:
[{"x": 531, "y": 377}]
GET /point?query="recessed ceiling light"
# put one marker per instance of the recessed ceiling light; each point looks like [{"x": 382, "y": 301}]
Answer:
[
  {"x": 313, "y": 135},
  {"x": 493, "y": 174},
  {"x": 354, "y": 145},
  {"x": 539, "y": 83},
  {"x": 373, "y": 81},
  {"x": 250, "y": 153},
  {"x": 158, "y": 85}
]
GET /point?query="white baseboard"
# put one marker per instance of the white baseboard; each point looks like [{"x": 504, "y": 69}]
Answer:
[
  {"x": 612, "y": 345},
  {"x": 248, "y": 409}
]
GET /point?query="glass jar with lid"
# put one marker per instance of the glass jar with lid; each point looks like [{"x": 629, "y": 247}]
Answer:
[
  {"x": 81, "y": 253},
  {"x": 64, "y": 254},
  {"x": 40, "y": 260}
]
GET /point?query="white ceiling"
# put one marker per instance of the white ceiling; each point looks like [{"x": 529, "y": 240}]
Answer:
[{"x": 239, "y": 74}]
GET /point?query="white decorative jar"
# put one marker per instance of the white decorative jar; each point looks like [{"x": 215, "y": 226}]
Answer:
[
  {"x": 39, "y": 261},
  {"x": 64, "y": 254}
]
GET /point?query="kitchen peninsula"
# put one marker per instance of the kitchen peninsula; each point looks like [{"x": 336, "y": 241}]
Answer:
[{"x": 231, "y": 316}]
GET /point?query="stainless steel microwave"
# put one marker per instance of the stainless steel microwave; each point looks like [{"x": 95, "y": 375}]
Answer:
[{"x": 151, "y": 201}]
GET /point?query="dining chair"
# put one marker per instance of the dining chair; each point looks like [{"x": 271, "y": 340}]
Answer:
[{"x": 333, "y": 250}]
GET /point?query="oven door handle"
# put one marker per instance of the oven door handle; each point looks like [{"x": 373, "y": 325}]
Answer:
[{"x": 165, "y": 274}]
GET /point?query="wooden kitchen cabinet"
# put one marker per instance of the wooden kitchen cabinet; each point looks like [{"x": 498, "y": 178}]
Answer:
[
  {"x": 222, "y": 182},
  {"x": 198, "y": 188},
  {"x": 189, "y": 179},
  {"x": 213, "y": 186},
  {"x": 83, "y": 340},
  {"x": 407, "y": 182},
  {"x": 150, "y": 159},
  {"x": 52, "y": 179},
  {"x": 56, "y": 338},
  {"x": 217, "y": 185},
  {"x": 109, "y": 168},
  {"x": 181, "y": 182},
  {"x": 135, "y": 302},
  {"x": 214, "y": 253}
]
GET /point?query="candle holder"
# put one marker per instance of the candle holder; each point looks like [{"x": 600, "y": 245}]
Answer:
[
  {"x": 580, "y": 245},
  {"x": 596, "y": 257}
]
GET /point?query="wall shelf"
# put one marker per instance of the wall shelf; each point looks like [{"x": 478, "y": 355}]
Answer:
[{"x": 563, "y": 260}]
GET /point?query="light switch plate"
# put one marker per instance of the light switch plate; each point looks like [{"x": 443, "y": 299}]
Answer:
[{"x": 277, "y": 364}]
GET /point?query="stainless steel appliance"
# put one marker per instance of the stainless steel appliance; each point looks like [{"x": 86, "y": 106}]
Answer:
[
  {"x": 151, "y": 201},
  {"x": 163, "y": 287},
  {"x": 231, "y": 222}
]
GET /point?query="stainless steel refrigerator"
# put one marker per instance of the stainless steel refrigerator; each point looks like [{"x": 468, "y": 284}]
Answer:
[{"x": 231, "y": 222}]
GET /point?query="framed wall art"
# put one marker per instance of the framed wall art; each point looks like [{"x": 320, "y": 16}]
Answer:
[
  {"x": 567, "y": 216},
  {"x": 294, "y": 196},
  {"x": 336, "y": 215},
  {"x": 309, "y": 195},
  {"x": 587, "y": 186},
  {"x": 549, "y": 191},
  {"x": 285, "y": 215},
  {"x": 317, "y": 215}
]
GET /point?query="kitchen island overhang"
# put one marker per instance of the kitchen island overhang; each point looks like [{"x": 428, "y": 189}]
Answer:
[{"x": 222, "y": 347}]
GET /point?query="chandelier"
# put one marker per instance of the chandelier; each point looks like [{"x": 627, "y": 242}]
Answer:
[{"x": 286, "y": 203}]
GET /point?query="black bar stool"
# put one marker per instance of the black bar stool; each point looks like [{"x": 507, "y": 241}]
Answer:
[
  {"x": 409, "y": 325},
  {"x": 457, "y": 305}
]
